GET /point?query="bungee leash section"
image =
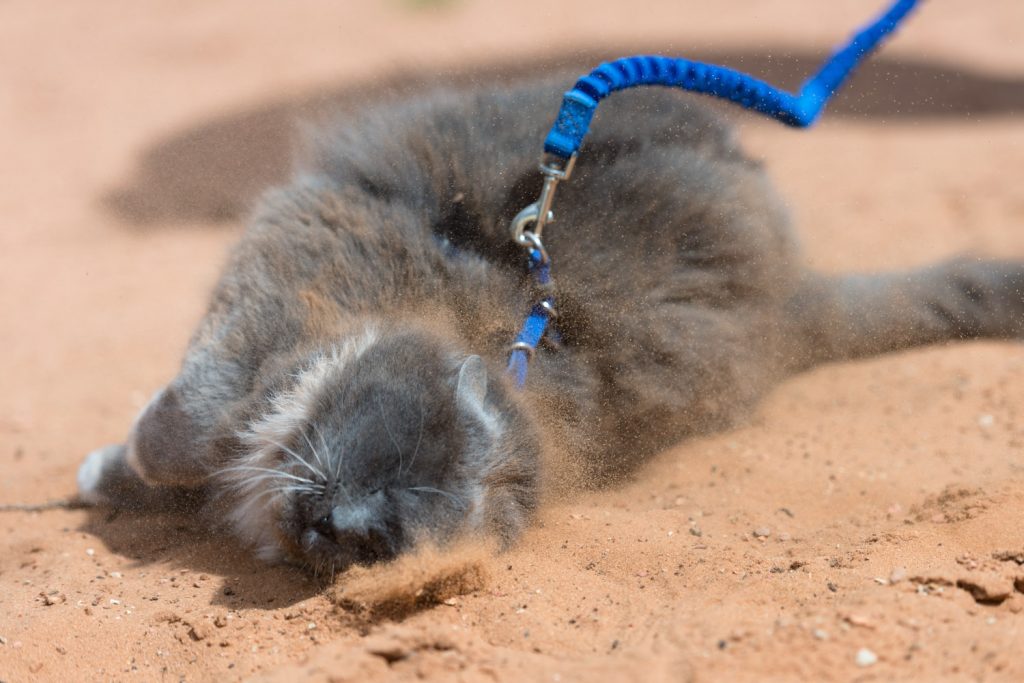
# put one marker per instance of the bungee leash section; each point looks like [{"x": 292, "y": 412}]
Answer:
[{"x": 578, "y": 107}]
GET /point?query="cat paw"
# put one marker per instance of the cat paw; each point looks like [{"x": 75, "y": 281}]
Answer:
[{"x": 92, "y": 472}]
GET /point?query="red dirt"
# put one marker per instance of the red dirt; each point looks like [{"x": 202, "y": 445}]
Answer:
[{"x": 873, "y": 505}]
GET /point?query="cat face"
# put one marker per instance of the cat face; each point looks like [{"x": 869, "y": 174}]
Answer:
[{"x": 383, "y": 441}]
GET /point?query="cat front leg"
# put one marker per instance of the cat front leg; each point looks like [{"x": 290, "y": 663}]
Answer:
[
  {"x": 162, "y": 453},
  {"x": 105, "y": 476}
]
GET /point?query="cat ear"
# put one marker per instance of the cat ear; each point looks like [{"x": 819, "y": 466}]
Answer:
[{"x": 472, "y": 385}]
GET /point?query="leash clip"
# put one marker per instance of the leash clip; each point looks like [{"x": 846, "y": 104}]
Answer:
[{"x": 528, "y": 225}]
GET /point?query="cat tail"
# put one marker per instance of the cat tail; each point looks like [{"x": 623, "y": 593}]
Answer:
[{"x": 844, "y": 317}]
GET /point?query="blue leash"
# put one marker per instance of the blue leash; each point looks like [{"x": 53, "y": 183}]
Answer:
[{"x": 580, "y": 103}]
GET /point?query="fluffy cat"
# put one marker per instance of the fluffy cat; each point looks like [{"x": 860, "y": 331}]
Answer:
[{"x": 344, "y": 396}]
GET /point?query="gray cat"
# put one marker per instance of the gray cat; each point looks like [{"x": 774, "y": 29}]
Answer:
[{"x": 344, "y": 396}]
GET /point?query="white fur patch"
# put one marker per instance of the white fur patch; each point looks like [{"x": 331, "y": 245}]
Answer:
[
  {"x": 491, "y": 422},
  {"x": 90, "y": 474},
  {"x": 477, "y": 506},
  {"x": 260, "y": 493},
  {"x": 471, "y": 392}
]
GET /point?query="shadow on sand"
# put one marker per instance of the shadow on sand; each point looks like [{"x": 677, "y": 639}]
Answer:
[
  {"x": 212, "y": 171},
  {"x": 180, "y": 539}
]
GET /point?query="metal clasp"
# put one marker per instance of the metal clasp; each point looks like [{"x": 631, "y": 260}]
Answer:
[{"x": 528, "y": 225}]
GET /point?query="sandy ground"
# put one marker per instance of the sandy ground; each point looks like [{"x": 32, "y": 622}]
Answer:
[{"x": 875, "y": 505}]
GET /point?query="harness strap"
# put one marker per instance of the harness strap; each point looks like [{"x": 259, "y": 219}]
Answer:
[{"x": 536, "y": 323}]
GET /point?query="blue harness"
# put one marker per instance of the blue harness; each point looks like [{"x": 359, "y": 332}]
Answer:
[{"x": 580, "y": 103}]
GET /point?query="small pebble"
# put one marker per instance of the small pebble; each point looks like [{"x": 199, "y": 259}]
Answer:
[
  {"x": 199, "y": 631},
  {"x": 53, "y": 599},
  {"x": 762, "y": 532},
  {"x": 695, "y": 531},
  {"x": 866, "y": 657},
  {"x": 311, "y": 626},
  {"x": 820, "y": 634},
  {"x": 898, "y": 574},
  {"x": 986, "y": 420},
  {"x": 90, "y": 552},
  {"x": 858, "y": 620}
]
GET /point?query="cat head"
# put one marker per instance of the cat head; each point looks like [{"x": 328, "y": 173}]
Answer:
[{"x": 383, "y": 440}]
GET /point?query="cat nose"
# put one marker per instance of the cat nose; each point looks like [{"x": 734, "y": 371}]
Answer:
[{"x": 357, "y": 534}]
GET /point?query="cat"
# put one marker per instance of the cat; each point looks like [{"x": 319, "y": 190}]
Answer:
[{"x": 344, "y": 397}]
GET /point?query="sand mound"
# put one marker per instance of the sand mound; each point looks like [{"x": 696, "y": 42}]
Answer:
[{"x": 422, "y": 579}]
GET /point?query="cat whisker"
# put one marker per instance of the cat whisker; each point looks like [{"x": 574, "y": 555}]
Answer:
[
  {"x": 327, "y": 451},
  {"x": 458, "y": 502},
  {"x": 320, "y": 457},
  {"x": 253, "y": 482},
  {"x": 253, "y": 488},
  {"x": 296, "y": 488},
  {"x": 387, "y": 428},
  {"x": 272, "y": 473},
  {"x": 295, "y": 456},
  {"x": 321, "y": 471},
  {"x": 280, "y": 490},
  {"x": 419, "y": 440}
]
